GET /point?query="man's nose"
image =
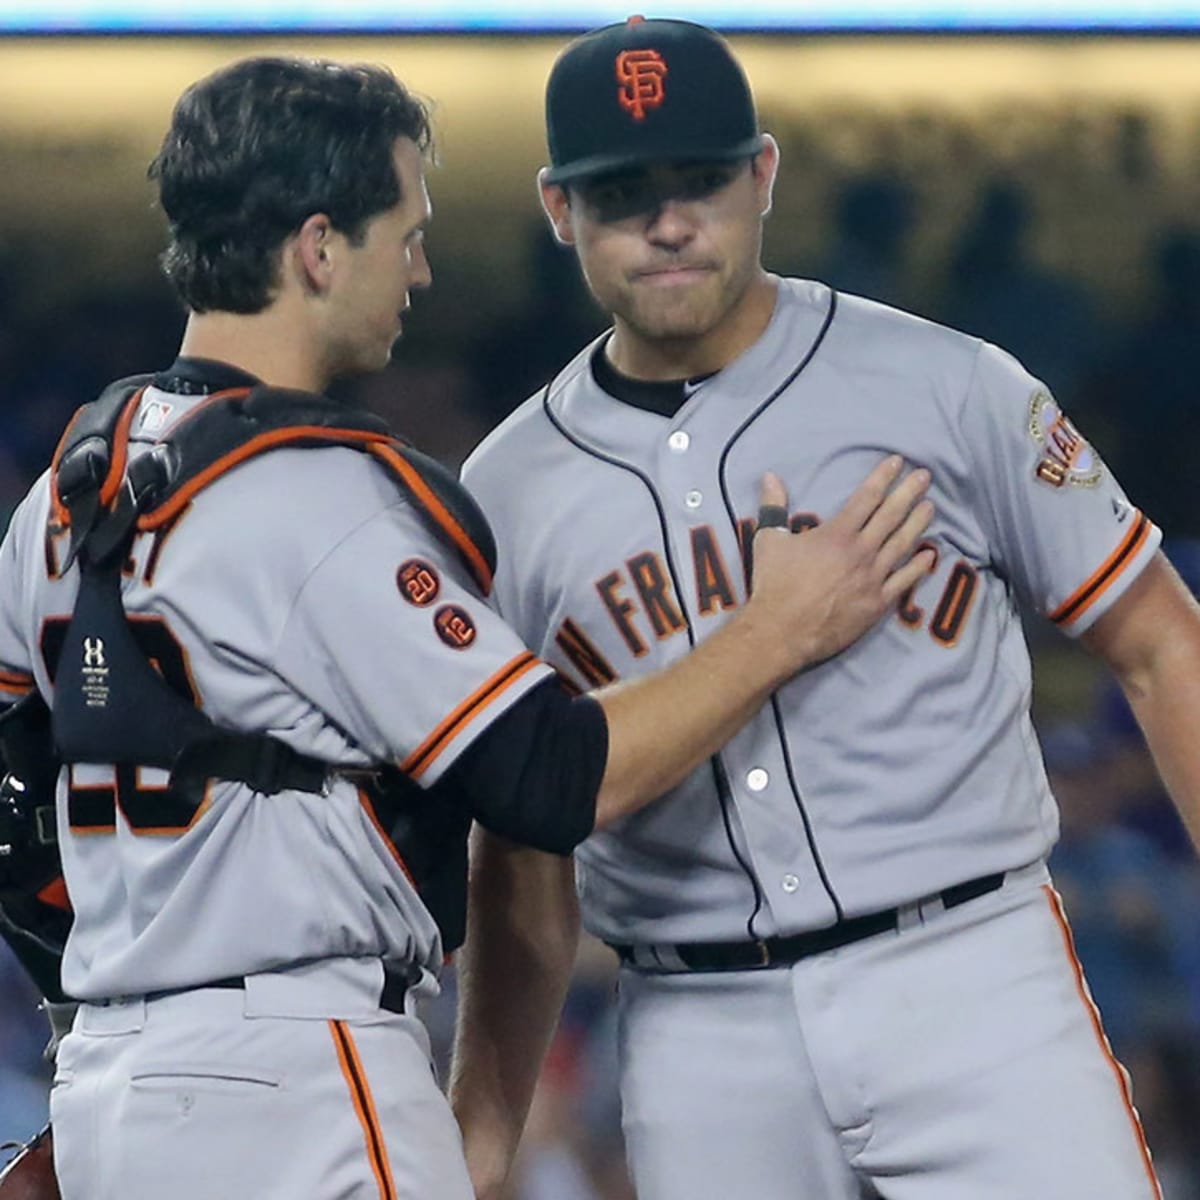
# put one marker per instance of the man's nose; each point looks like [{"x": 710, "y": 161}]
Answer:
[
  {"x": 422, "y": 273},
  {"x": 671, "y": 221}
]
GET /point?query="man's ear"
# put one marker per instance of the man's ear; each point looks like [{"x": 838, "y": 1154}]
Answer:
[
  {"x": 314, "y": 249},
  {"x": 556, "y": 204},
  {"x": 766, "y": 169}
]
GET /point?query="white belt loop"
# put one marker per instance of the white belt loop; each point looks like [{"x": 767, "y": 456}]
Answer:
[{"x": 113, "y": 1017}]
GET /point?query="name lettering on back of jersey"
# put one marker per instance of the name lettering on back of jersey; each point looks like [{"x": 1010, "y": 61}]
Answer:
[
  {"x": 454, "y": 626},
  {"x": 418, "y": 581},
  {"x": 1066, "y": 456}
]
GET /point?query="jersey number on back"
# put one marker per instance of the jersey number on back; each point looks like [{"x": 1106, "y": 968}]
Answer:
[{"x": 94, "y": 793}]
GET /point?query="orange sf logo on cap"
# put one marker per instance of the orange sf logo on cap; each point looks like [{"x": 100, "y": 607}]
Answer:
[{"x": 640, "y": 74}]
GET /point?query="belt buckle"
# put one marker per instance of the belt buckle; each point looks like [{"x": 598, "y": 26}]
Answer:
[{"x": 764, "y": 953}]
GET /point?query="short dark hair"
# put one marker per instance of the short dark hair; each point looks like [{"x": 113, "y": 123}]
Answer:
[{"x": 255, "y": 149}]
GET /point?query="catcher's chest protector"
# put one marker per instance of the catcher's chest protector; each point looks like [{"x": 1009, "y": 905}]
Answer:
[{"x": 112, "y": 705}]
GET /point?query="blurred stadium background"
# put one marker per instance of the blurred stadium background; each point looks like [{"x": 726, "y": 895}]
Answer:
[{"x": 1039, "y": 188}]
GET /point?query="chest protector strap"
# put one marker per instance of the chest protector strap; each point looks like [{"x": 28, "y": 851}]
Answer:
[{"x": 111, "y": 704}]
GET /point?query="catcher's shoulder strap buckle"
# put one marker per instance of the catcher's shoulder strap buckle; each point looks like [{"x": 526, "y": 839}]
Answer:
[{"x": 88, "y": 468}]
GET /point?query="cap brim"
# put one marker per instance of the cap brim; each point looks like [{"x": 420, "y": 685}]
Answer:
[{"x": 605, "y": 164}]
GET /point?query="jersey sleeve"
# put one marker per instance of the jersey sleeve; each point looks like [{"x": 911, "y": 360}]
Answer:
[
  {"x": 1061, "y": 527},
  {"x": 390, "y": 638},
  {"x": 16, "y": 573}
]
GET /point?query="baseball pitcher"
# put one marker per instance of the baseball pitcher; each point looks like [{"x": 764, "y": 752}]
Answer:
[{"x": 845, "y": 969}]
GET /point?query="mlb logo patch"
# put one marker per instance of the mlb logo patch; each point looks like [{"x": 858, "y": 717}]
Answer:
[{"x": 154, "y": 416}]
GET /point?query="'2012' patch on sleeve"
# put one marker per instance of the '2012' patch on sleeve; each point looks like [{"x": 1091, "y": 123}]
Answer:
[{"x": 1066, "y": 457}]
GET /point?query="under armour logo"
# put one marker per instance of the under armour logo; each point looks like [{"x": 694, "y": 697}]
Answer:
[
  {"x": 640, "y": 74},
  {"x": 93, "y": 652}
]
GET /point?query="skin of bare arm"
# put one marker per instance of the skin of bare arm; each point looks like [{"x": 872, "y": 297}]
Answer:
[
  {"x": 513, "y": 972},
  {"x": 1150, "y": 639}
]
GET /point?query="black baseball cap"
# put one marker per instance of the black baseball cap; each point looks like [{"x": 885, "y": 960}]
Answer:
[{"x": 646, "y": 91}]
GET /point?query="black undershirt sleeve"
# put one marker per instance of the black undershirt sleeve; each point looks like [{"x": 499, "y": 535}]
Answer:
[{"x": 534, "y": 774}]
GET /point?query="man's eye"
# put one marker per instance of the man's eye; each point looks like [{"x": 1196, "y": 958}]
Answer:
[
  {"x": 703, "y": 183},
  {"x": 610, "y": 194},
  {"x": 618, "y": 193},
  {"x": 616, "y": 199}
]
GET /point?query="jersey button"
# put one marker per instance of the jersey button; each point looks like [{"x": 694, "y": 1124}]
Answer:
[
  {"x": 694, "y": 499},
  {"x": 757, "y": 779},
  {"x": 790, "y": 884},
  {"x": 679, "y": 441}
]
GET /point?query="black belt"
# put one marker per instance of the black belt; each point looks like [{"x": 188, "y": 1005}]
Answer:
[
  {"x": 396, "y": 985},
  {"x": 782, "y": 951}
]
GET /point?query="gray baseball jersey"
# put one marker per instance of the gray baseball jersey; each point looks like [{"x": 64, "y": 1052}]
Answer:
[
  {"x": 904, "y": 765},
  {"x": 299, "y": 596}
]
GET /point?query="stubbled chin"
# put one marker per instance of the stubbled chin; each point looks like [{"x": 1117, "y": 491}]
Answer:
[{"x": 679, "y": 320}]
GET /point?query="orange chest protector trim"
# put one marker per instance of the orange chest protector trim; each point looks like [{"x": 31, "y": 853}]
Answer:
[
  {"x": 93, "y": 483},
  {"x": 110, "y": 703}
]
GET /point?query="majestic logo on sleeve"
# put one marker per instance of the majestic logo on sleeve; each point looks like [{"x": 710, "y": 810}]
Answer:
[
  {"x": 1066, "y": 457},
  {"x": 640, "y": 74}
]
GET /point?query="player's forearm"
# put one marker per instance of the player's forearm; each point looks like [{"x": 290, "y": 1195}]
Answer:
[
  {"x": 1165, "y": 698},
  {"x": 1151, "y": 640},
  {"x": 663, "y": 726},
  {"x": 513, "y": 975}
]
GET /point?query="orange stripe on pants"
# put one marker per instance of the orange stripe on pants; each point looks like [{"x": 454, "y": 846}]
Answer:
[
  {"x": 1123, "y": 1081},
  {"x": 364, "y": 1105}
]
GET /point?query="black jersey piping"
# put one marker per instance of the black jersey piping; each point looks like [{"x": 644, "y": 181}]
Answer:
[
  {"x": 720, "y": 777},
  {"x": 722, "y": 463}
]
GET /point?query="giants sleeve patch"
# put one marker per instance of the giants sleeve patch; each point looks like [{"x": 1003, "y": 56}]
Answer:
[{"x": 1066, "y": 459}]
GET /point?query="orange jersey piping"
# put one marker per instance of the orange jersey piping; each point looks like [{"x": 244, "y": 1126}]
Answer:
[
  {"x": 364, "y": 1106},
  {"x": 265, "y": 441},
  {"x": 365, "y": 801},
  {"x": 424, "y": 755},
  {"x": 440, "y": 513},
  {"x": 1060, "y": 917},
  {"x": 17, "y": 682},
  {"x": 1084, "y": 597}
]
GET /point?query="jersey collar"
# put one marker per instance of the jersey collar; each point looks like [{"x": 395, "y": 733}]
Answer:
[
  {"x": 665, "y": 397},
  {"x": 199, "y": 376}
]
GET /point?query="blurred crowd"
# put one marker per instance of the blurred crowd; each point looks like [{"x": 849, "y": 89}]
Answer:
[{"x": 1129, "y": 378}]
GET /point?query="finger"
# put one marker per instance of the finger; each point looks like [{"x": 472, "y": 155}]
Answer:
[
  {"x": 772, "y": 503},
  {"x": 869, "y": 494},
  {"x": 900, "y": 545},
  {"x": 908, "y": 575},
  {"x": 895, "y": 508}
]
